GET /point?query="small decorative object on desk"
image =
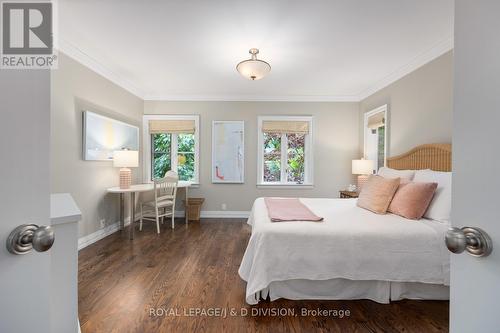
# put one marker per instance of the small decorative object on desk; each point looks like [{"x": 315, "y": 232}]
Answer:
[
  {"x": 351, "y": 188},
  {"x": 348, "y": 194}
]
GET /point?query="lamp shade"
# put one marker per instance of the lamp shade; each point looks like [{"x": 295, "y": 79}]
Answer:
[
  {"x": 254, "y": 69},
  {"x": 362, "y": 167},
  {"x": 126, "y": 158}
]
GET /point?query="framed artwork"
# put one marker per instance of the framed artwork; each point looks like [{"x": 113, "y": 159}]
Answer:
[
  {"x": 228, "y": 151},
  {"x": 103, "y": 135}
]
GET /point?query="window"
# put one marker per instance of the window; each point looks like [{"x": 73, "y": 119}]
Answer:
[
  {"x": 375, "y": 136},
  {"x": 172, "y": 144},
  {"x": 285, "y": 150}
]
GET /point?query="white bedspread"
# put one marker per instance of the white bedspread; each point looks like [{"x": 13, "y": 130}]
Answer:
[{"x": 351, "y": 243}]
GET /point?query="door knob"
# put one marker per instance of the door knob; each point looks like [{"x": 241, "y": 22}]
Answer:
[
  {"x": 476, "y": 241},
  {"x": 30, "y": 236}
]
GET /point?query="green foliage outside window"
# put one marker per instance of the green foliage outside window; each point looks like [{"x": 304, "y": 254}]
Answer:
[
  {"x": 185, "y": 156},
  {"x": 161, "y": 154},
  {"x": 295, "y": 152},
  {"x": 272, "y": 157},
  {"x": 381, "y": 147}
]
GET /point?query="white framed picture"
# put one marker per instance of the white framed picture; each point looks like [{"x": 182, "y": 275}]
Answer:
[
  {"x": 228, "y": 151},
  {"x": 103, "y": 135}
]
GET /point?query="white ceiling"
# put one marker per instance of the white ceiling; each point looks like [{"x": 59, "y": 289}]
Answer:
[{"x": 318, "y": 50}]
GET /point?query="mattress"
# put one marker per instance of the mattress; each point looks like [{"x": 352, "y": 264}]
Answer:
[{"x": 351, "y": 243}]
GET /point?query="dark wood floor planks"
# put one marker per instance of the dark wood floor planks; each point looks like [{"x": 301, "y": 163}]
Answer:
[{"x": 196, "y": 266}]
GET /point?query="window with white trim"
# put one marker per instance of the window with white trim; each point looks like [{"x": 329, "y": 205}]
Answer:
[
  {"x": 285, "y": 150},
  {"x": 171, "y": 143}
]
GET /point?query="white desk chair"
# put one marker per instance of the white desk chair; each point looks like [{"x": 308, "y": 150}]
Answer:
[
  {"x": 164, "y": 203},
  {"x": 171, "y": 173}
]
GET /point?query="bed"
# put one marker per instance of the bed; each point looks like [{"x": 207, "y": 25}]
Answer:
[{"x": 353, "y": 253}]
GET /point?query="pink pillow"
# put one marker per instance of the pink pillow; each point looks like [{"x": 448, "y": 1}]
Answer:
[
  {"x": 377, "y": 193},
  {"x": 412, "y": 199}
]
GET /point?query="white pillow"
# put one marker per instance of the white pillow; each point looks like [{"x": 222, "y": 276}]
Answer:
[
  {"x": 440, "y": 207},
  {"x": 393, "y": 173}
]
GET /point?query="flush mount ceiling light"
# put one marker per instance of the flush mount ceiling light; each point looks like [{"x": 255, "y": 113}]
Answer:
[{"x": 253, "y": 69}]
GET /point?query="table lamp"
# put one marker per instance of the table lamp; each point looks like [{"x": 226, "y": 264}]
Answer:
[
  {"x": 362, "y": 168},
  {"x": 125, "y": 159}
]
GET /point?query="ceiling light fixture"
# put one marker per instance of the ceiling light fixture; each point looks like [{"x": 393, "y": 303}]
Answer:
[{"x": 253, "y": 69}]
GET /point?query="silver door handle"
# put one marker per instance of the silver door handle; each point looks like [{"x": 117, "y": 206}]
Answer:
[
  {"x": 30, "y": 236},
  {"x": 476, "y": 241}
]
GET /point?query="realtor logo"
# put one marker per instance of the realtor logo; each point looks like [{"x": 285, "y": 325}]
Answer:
[{"x": 27, "y": 35}]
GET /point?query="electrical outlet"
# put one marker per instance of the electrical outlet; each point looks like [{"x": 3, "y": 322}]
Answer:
[
  {"x": 223, "y": 206},
  {"x": 102, "y": 222}
]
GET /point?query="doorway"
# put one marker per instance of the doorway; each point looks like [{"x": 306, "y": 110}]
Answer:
[{"x": 375, "y": 132}]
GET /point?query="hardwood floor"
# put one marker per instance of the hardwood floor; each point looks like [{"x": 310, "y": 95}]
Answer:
[{"x": 155, "y": 283}]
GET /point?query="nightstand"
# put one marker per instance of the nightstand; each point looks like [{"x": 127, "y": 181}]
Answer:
[{"x": 348, "y": 194}]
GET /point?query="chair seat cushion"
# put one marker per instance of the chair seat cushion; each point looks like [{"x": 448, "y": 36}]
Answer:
[{"x": 163, "y": 203}]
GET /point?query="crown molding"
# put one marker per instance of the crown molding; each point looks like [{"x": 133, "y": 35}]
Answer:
[
  {"x": 417, "y": 62},
  {"x": 251, "y": 98},
  {"x": 80, "y": 56},
  {"x": 423, "y": 58}
]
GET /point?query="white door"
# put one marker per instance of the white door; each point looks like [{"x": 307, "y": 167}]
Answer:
[
  {"x": 24, "y": 197},
  {"x": 475, "y": 282}
]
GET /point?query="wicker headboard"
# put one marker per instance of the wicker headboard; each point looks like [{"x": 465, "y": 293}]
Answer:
[{"x": 435, "y": 156}]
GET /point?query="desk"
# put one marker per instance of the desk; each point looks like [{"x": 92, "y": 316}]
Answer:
[{"x": 138, "y": 188}]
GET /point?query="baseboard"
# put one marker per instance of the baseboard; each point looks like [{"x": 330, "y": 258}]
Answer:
[
  {"x": 112, "y": 228},
  {"x": 221, "y": 214},
  {"x": 100, "y": 234},
  {"x": 228, "y": 214}
]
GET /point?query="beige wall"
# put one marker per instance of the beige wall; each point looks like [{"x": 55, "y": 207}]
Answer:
[
  {"x": 335, "y": 145},
  {"x": 75, "y": 88},
  {"x": 420, "y": 106}
]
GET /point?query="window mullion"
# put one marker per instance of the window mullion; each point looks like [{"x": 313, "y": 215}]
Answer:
[{"x": 284, "y": 158}]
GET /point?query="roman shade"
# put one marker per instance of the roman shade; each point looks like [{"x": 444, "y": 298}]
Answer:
[
  {"x": 287, "y": 126},
  {"x": 171, "y": 126},
  {"x": 376, "y": 121}
]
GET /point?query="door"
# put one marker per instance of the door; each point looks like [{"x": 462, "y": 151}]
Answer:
[
  {"x": 24, "y": 197},
  {"x": 475, "y": 282}
]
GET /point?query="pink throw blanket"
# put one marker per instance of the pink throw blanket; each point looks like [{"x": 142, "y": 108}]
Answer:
[{"x": 289, "y": 209}]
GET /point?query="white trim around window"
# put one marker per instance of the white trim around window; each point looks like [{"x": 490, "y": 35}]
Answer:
[
  {"x": 308, "y": 158},
  {"x": 146, "y": 150}
]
